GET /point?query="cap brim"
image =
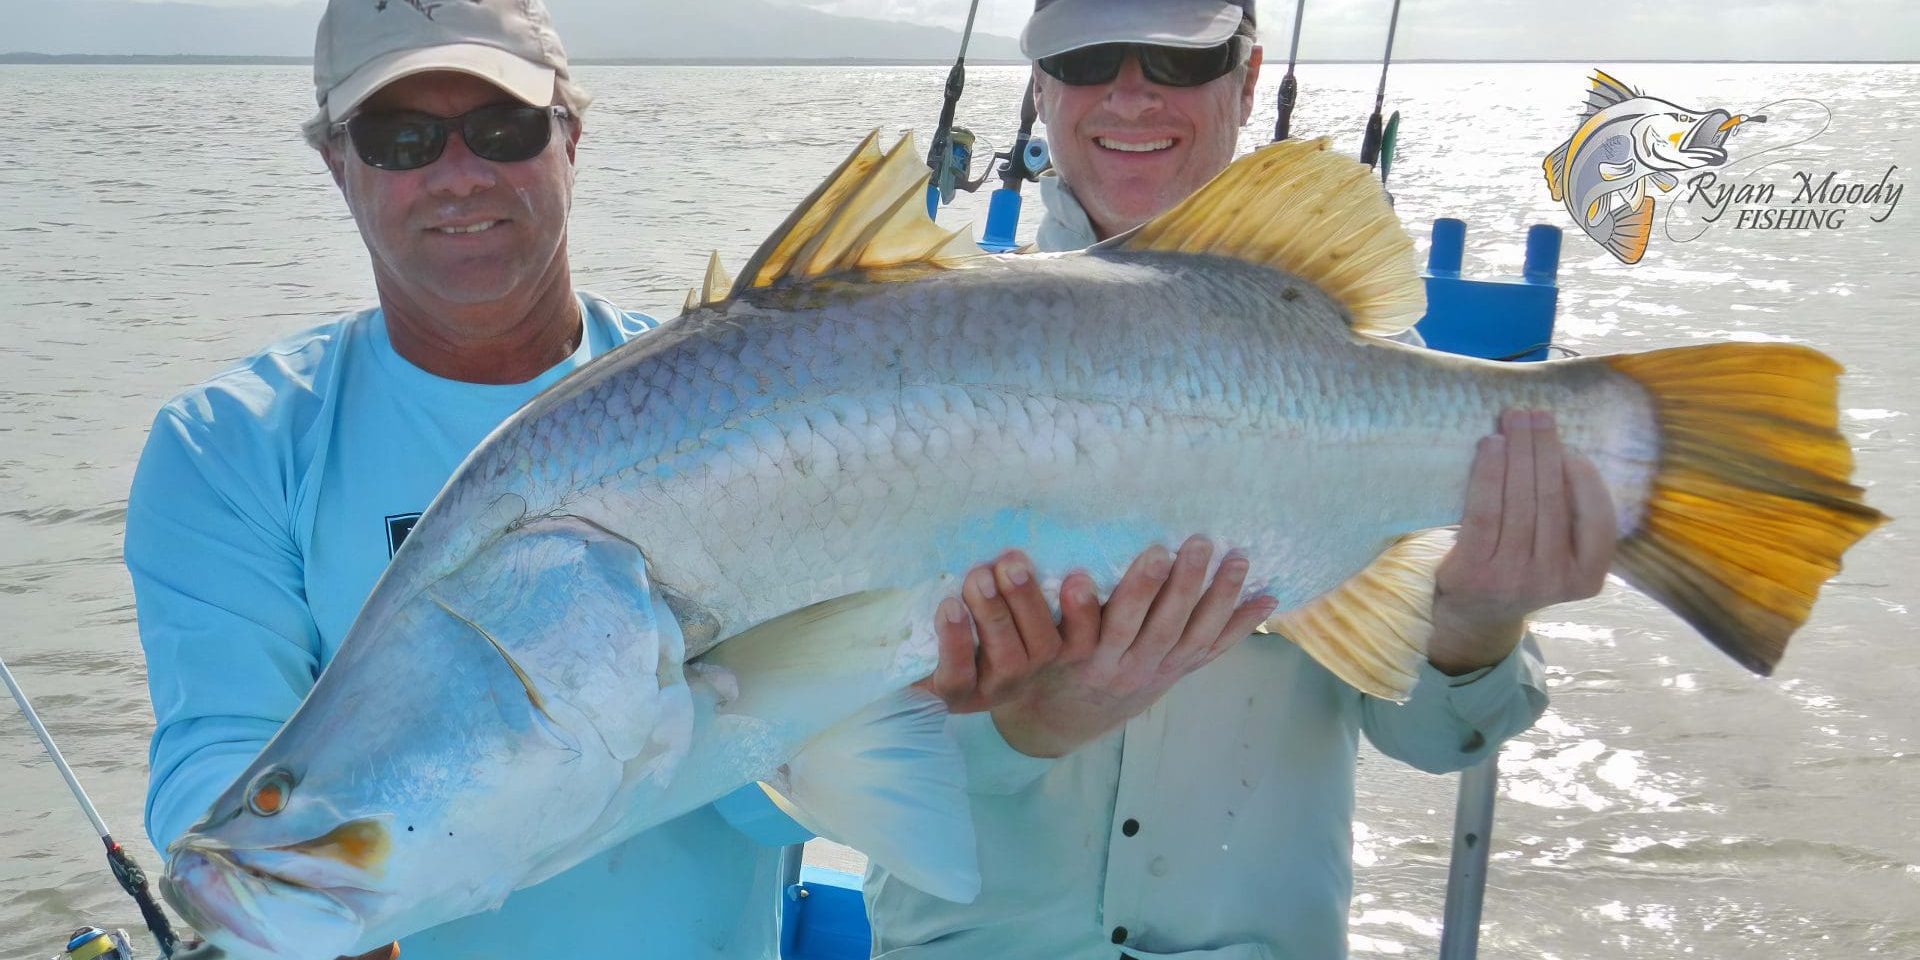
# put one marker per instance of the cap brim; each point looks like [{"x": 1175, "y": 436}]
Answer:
[
  {"x": 1071, "y": 24},
  {"x": 523, "y": 79}
]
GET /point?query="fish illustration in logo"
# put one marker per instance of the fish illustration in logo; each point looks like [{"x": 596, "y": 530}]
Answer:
[{"x": 1627, "y": 139}]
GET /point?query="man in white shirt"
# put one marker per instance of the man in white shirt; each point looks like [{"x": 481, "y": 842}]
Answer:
[{"x": 1122, "y": 814}]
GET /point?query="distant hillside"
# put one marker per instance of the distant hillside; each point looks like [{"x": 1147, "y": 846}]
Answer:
[{"x": 592, "y": 29}]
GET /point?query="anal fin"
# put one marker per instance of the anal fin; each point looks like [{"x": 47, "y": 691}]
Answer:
[
  {"x": 1372, "y": 630},
  {"x": 1628, "y": 242}
]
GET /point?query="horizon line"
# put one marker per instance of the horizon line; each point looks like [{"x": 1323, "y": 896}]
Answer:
[{"x": 27, "y": 57}]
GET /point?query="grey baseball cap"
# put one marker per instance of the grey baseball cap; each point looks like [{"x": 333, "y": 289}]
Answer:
[
  {"x": 1061, "y": 25},
  {"x": 364, "y": 45}
]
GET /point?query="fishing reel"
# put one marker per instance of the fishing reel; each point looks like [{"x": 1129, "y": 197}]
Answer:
[
  {"x": 953, "y": 174},
  {"x": 93, "y": 943},
  {"x": 1034, "y": 158}
]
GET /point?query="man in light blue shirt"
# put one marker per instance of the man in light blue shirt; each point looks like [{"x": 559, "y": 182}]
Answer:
[
  {"x": 270, "y": 498},
  {"x": 1196, "y": 800}
]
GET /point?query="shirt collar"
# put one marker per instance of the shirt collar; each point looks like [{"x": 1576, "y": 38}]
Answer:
[{"x": 1066, "y": 226}]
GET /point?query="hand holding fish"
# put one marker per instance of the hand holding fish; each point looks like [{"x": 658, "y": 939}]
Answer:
[
  {"x": 1538, "y": 530},
  {"x": 1003, "y": 603},
  {"x": 1162, "y": 622}
]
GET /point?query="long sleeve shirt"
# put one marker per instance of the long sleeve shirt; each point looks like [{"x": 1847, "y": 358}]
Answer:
[
  {"x": 266, "y": 504},
  {"x": 1215, "y": 825}
]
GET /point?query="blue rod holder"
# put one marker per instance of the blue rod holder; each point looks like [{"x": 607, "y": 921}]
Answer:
[
  {"x": 1003, "y": 218},
  {"x": 1449, "y": 246},
  {"x": 1498, "y": 319},
  {"x": 1543, "y": 254}
]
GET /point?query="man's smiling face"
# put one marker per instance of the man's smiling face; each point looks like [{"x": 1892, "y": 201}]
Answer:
[
  {"x": 1130, "y": 149},
  {"x": 461, "y": 229}
]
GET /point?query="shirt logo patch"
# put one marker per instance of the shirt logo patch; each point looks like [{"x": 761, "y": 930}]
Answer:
[{"x": 398, "y": 526}]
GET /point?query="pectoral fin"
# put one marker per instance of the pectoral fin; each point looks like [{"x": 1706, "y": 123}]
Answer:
[
  {"x": 878, "y": 770},
  {"x": 1372, "y": 630},
  {"x": 890, "y": 782},
  {"x": 848, "y": 650}
]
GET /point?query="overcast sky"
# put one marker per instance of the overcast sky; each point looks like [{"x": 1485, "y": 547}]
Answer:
[{"x": 1548, "y": 29}]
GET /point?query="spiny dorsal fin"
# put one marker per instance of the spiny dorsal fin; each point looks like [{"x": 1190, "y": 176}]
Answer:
[
  {"x": 1302, "y": 209},
  {"x": 1605, "y": 92},
  {"x": 868, "y": 214},
  {"x": 713, "y": 288},
  {"x": 1372, "y": 630}
]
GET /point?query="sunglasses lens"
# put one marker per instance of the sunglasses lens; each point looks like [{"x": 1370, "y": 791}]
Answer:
[
  {"x": 397, "y": 141},
  {"x": 1086, "y": 66},
  {"x": 1184, "y": 67},
  {"x": 1167, "y": 66},
  {"x": 507, "y": 134},
  {"x": 403, "y": 140}
]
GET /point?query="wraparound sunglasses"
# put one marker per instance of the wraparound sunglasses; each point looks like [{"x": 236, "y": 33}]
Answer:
[{"x": 409, "y": 139}]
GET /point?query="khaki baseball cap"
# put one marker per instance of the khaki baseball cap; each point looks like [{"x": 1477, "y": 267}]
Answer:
[
  {"x": 1058, "y": 26},
  {"x": 364, "y": 45}
]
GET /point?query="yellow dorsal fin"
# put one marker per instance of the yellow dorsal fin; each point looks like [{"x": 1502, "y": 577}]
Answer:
[
  {"x": 868, "y": 214},
  {"x": 1300, "y": 208},
  {"x": 1372, "y": 630}
]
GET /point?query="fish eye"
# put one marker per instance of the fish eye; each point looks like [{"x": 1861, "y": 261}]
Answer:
[{"x": 270, "y": 792}]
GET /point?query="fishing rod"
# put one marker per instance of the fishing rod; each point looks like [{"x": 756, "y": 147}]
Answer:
[
  {"x": 1290, "y": 88},
  {"x": 949, "y": 158},
  {"x": 1370, "y": 145},
  {"x": 132, "y": 879},
  {"x": 1022, "y": 162},
  {"x": 1388, "y": 140}
]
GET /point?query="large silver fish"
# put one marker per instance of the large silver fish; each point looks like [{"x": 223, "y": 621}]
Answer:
[{"x": 713, "y": 555}]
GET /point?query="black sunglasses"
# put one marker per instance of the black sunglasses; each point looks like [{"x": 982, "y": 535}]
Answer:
[
  {"x": 408, "y": 139},
  {"x": 1167, "y": 66}
]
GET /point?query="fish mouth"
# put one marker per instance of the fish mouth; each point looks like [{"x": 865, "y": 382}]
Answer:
[
  {"x": 250, "y": 894},
  {"x": 1689, "y": 153},
  {"x": 1709, "y": 134}
]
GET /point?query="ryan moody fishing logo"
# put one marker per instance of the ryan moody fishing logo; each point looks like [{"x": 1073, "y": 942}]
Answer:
[
  {"x": 1810, "y": 201},
  {"x": 1633, "y": 154}
]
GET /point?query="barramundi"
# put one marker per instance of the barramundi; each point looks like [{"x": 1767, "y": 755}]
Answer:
[{"x": 712, "y": 557}]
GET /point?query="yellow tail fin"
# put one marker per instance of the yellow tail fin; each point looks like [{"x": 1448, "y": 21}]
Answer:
[{"x": 1753, "y": 505}]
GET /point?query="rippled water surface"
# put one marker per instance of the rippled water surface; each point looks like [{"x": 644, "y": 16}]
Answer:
[{"x": 157, "y": 222}]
